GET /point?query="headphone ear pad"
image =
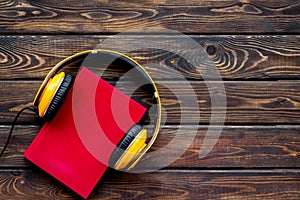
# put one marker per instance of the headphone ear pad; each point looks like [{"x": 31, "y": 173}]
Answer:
[
  {"x": 124, "y": 144},
  {"x": 59, "y": 97}
]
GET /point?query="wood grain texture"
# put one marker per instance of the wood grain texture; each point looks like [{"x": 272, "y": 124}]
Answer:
[
  {"x": 235, "y": 57},
  {"x": 237, "y": 147},
  {"x": 228, "y": 16},
  {"x": 254, "y": 44},
  {"x": 28, "y": 184},
  {"x": 270, "y": 102}
]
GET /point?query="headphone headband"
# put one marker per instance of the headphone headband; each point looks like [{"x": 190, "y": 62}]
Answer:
[{"x": 83, "y": 54}]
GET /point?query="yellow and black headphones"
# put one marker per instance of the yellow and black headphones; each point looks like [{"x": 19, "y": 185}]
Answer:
[{"x": 56, "y": 85}]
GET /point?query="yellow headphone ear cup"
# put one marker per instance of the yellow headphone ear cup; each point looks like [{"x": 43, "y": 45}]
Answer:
[
  {"x": 55, "y": 88},
  {"x": 135, "y": 147},
  {"x": 49, "y": 92},
  {"x": 59, "y": 97},
  {"x": 133, "y": 142}
]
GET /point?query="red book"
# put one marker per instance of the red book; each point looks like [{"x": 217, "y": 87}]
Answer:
[{"x": 76, "y": 145}]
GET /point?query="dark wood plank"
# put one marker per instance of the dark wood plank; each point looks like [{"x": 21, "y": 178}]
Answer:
[
  {"x": 225, "y": 16},
  {"x": 236, "y": 57},
  {"x": 270, "y": 102},
  {"x": 237, "y": 147},
  {"x": 278, "y": 184}
]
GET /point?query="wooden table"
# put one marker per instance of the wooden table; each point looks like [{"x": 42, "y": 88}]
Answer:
[{"x": 255, "y": 45}]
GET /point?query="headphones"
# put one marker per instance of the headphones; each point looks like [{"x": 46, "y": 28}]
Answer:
[{"x": 56, "y": 85}]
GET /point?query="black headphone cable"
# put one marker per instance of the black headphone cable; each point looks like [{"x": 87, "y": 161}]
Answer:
[{"x": 31, "y": 108}]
